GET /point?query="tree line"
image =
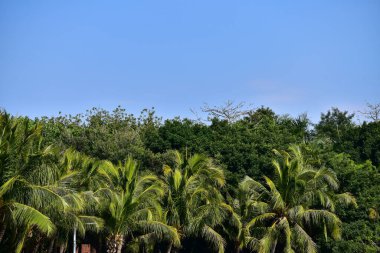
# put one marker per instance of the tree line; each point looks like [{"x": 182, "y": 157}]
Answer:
[{"x": 255, "y": 182}]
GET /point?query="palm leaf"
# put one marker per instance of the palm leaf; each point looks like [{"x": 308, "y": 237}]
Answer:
[
  {"x": 214, "y": 238},
  {"x": 26, "y": 215}
]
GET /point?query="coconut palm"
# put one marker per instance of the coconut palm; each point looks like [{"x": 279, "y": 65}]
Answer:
[
  {"x": 133, "y": 207},
  {"x": 39, "y": 193},
  {"x": 285, "y": 210},
  {"x": 78, "y": 176},
  {"x": 23, "y": 191},
  {"x": 244, "y": 207},
  {"x": 78, "y": 215},
  {"x": 193, "y": 203}
]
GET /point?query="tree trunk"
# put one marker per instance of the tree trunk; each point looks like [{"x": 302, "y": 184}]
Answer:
[
  {"x": 51, "y": 246},
  {"x": 35, "y": 250},
  {"x": 100, "y": 245},
  {"x": 2, "y": 231},
  {"x": 169, "y": 248},
  {"x": 119, "y": 247},
  {"x": 38, "y": 243},
  {"x": 62, "y": 248},
  {"x": 115, "y": 243}
]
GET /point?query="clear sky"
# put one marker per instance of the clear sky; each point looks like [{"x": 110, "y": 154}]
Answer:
[{"x": 293, "y": 56}]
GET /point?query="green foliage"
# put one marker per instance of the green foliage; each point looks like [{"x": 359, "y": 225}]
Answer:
[
  {"x": 22, "y": 196},
  {"x": 133, "y": 205},
  {"x": 362, "y": 180},
  {"x": 286, "y": 212},
  {"x": 193, "y": 203},
  {"x": 100, "y": 134},
  {"x": 73, "y": 171}
]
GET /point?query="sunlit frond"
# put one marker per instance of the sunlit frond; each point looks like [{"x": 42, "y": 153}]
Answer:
[
  {"x": 318, "y": 217},
  {"x": 303, "y": 240},
  {"x": 161, "y": 230},
  {"x": 24, "y": 215},
  {"x": 346, "y": 199},
  {"x": 278, "y": 202},
  {"x": 260, "y": 219}
]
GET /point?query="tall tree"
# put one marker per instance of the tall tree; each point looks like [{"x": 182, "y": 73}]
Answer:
[
  {"x": 76, "y": 182},
  {"x": 133, "y": 206},
  {"x": 245, "y": 207},
  {"x": 23, "y": 187},
  {"x": 193, "y": 203},
  {"x": 299, "y": 203},
  {"x": 339, "y": 127}
]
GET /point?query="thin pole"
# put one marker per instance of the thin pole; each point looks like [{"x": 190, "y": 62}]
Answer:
[{"x": 75, "y": 240}]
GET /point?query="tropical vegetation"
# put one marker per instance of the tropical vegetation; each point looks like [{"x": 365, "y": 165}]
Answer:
[{"x": 240, "y": 181}]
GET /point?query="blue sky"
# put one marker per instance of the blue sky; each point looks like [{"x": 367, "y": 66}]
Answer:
[{"x": 293, "y": 56}]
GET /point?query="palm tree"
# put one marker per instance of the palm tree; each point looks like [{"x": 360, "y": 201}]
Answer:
[
  {"x": 78, "y": 178},
  {"x": 193, "y": 203},
  {"x": 133, "y": 207},
  {"x": 300, "y": 199},
  {"x": 39, "y": 193},
  {"x": 244, "y": 207},
  {"x": 22, "y": 190}
]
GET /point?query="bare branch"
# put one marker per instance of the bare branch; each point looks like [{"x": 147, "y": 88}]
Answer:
[
  {"x": 372, "y": 112},
  {"x": 229, "y": 111}
]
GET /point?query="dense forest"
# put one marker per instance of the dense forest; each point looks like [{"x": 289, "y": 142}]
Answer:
[{"x": 241, "y": 181}]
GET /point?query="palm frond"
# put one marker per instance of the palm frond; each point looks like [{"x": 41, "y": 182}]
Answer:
[
  {"x": 278, "y": 202},
  {"x": 317, "y": 217},
  {"x": 26, "y": 215},
  {"x": 260, "y": 219},
  {"x": 303, "y": 240},
  {"x": 269, "y": 241},
  {"x": 161, "y": 230},
  {"x": 8, "y": 185},
  {"x": 346, "y": 199},
  {"x": 214, "y": 238}
]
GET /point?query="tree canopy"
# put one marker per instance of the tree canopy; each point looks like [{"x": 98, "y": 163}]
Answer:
[{"x": 251, "y": 181}]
